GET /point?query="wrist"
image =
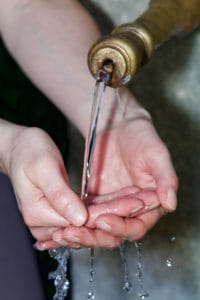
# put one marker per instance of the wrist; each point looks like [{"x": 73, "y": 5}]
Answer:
[{"x": 8, "y": 134}]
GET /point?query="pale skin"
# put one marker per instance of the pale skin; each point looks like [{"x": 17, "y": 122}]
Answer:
[{"x": 133, "y": 182}]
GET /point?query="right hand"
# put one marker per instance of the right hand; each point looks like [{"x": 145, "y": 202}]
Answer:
[{"x": 41, "y": 184}]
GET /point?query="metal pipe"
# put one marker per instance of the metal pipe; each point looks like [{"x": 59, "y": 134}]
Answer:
[{"x": 131, "y": 45}]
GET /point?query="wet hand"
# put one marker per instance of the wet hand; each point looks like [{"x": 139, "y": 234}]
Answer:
[
  {"x": 132, "y": 154},
  {"x": 129, "y": 156},
  {"x": 112, "y": 218},
  {"x": 41, "y": 184}
]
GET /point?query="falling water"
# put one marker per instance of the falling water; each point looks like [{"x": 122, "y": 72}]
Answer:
[
  {"x": 169, "y": 260},
  {"x": 62, "y": 254},
  {"x": 127, "y": 287},
  {"x": 59, "y": 276},
  {"x": 92, "y": 256},
  {"x": 91, "y": 295},
  {"x": 99, "y": 92},
  {"x": 142, "y": 293}
]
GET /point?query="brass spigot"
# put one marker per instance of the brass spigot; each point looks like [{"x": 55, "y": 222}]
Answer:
[{"x": 131, "y": 45}]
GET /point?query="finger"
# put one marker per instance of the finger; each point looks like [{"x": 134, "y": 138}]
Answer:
[
  {"x": 51, "y": 180},
  {"x": 87, "y": 237},
  {"x": 166, "y": 180},
  {"x": 41, "y": 214},
  {"x": 50, "y": 245},
  {"x": 129, "y": 228},
  {"x": 47, "y": 245},
  {"x": 128, "y": 205},
  {"x": 150, "y": 218},
  {"x": 96, "y": 199},
  {"x": 149, "y": 198},
  {"x": 43, "y": 233}
]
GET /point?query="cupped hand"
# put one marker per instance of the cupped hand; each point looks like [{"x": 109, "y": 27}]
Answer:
[
  {"x": 41, "y": 184},
  {"x": 132, "y": 185},
  {"x": 46, "y": 199},
  {"x": 129, "y": 161},
  {"x": 112, "y": 219},
  {"x": 132, "y": 154}
]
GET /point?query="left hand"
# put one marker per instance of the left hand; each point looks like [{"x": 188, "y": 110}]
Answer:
[{"x": 132, "y": 154}]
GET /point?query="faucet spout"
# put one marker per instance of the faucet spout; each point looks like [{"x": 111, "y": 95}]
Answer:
[{"x": 131, "y": 45}]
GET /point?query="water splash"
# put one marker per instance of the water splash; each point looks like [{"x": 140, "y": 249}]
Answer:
[
  {"x": 142, "y": 293},
  {"x": 172, "y": 239},
  {"x": 127, "y": 287},
  {"x": 169, "y": 262},
  {"x": 59, "y": 276}
]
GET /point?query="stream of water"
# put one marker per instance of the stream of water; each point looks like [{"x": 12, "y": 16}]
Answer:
[
  {"x": 61, "y": 255},
  {"x": 99, "y": 93},
  {"x": 142, "y": 293},
  {"x": 127, "y": 286}
]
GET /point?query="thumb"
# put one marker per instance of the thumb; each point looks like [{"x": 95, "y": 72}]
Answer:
[
  {"x": 52, "y": 180},
  {"x": 166, "y": 181}
]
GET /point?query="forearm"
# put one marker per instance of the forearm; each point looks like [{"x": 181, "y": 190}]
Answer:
[{"x": 50, "y": 41}]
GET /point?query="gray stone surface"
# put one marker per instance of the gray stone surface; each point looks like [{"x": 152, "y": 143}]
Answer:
[{"x": 169, "y": 87}]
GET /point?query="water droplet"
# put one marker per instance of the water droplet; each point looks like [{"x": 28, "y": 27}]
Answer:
[
  {"x": 173, "y": 239},
  {"x": 91, "y": 279},
  {"x": 66, "y": 285},
  {"x": 127, "y": 287},
  {"x": 169, "y": 262},
  {"x": 91, "y": 296},
  {"x": 143, "y": 295}
]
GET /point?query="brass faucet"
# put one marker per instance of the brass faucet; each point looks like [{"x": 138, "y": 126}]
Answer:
[{"x": 131, "y": 45}]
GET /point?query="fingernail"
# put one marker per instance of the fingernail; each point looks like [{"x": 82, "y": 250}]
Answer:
[
  {"x": 171, "y": 200},
  {"x": 40, "y": 246},
  {"x": 104, "y": 226},
  {"x": 75, "y": 216},
  {"x": 135, "y": 210},
  {"x": 73, "y": 239}
]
